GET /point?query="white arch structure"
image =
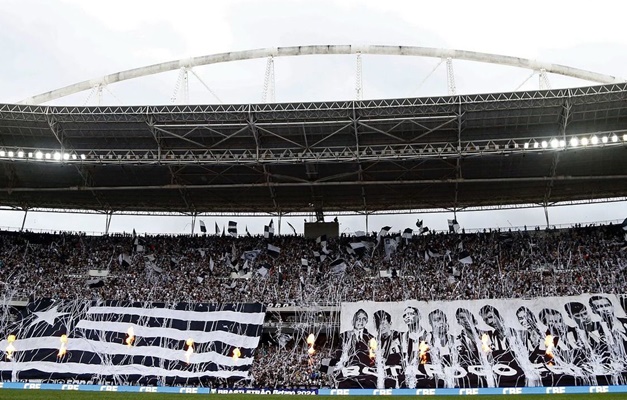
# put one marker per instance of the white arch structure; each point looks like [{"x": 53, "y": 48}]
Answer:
[{"x": 322, "y": 50}]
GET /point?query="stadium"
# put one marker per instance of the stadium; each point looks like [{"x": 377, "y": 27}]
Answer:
[{"x": 388, "y": 310}]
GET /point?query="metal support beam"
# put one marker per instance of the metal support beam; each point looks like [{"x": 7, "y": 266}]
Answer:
[
  {"x": 269, "y": 95},
  {"x": 57, "y": 131},
  {"x": 194, "y": 215},
  {"x": 359, "y": 83},
  {"x": 24, "y": 220},
  {"x": 450, "y": 77},
  {"x": 563, "y": 123},
  {"x": 108, "y": 216},
  {"x": 322, "y": 49}
]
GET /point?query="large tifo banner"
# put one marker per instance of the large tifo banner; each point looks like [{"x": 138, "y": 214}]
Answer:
[
  {"x": 123, "y": 342},
  {"x": 551, "y": 341}
]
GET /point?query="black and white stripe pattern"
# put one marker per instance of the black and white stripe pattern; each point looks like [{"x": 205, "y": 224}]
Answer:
[{"x": 96, "y": 346}]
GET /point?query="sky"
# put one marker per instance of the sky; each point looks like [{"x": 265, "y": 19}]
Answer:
[{"x": 47, "y": 44}]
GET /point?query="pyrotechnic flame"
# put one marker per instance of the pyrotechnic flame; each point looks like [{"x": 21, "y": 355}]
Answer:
[
  {"x": 63, "y": 348},
  {"x": 423, "y": 347},
  {"x": 549, "y": 344},
  {"x": 131, "y": 336},
  {"x": 190, "y": 349},
  {"x": 311, "y": 339},
  {"x": 372, "y": 344},
  {"x": 236, "y": 354},
  {"x": 484, "y": 343},
  {"x": 10, "y": 348}
]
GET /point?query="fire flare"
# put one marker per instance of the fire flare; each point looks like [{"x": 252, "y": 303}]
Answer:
[
  {"x": 236, "y": 353},
  {"x": 484, "y": 343},
  {"x": 190, "y": 349},
  {"x": 423, "y": 348},
  {"x": 372, "y": 344},
  {"x": 131, "y": 336},
  {"x": 63, "y": 348},
  {"x": 10, "y": 348},
  {"x": 550, "y": 346},
  {"x": 311, "y": 339}
]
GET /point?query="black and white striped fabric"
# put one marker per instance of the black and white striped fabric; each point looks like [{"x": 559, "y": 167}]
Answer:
[{"x": 97, "y": 346}]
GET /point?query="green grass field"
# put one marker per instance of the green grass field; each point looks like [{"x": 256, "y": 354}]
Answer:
[{"x": 9, "y": 394}]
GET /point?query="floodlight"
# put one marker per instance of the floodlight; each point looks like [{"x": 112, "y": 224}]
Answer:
[
  {"x": 30, "y": 154},
  {"x": 66, "y": 156},
  {"x": 562, "y": 143},
  {"x": 536, "y": 145},
  {"x": 544, "y": 144},
  {"x": 584, "y": 141},
  {"x": 48, "y": 156},
  {"x": 39, "y": 155},
  {"x": 614, "y": 138},
  {"x": 20, "y": 154},
  {"x": 82, "y": 156},
  {"x": 73, "y": 156},
  {"x": 526, "y": 146},
  {"x": 604, "y": 139},
  {"x": 594, "y": 140},
  {"x": 2, "y": 153},
  {"x": 11, "y": 153},
  {"x": 574, "y": 142},
  {"x": 554, "y": 143},
  {"x": 57, "y": 156}
]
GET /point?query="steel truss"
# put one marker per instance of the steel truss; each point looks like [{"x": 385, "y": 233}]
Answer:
[{"x": 397, "y": 145}]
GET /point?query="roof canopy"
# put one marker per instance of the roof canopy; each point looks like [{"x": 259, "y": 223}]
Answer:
[{"x": 355, "y": 156}]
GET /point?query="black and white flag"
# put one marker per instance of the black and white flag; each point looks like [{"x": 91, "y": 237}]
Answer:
[
  {"x": 338, "y": 266},
  {"x": 453, "y": 226},
  {"x": 138, "y": 245},
  {"x": 419, "y": 223},
  {"x": 384, "y": 231},
  {"x": 273, "y": 251},
  {"x": 263, "y": 271},
  {"x": 359, "y": 248},
  {"x": 250, "y": 255},
  {"x": 203, "y": 227},
  {"x": 133, "y": 342},
  {"x": 232, "y": 228},
  {"x": 95, "y": 283},
  {"x": 268, "y": 231},
  {"x": 408, "y": 233},
  {"x": 465, "y": 258},
  {"x": 320, "y": 257},
  {"x": 125, "y": 260},
  {"x": 624, "y": 225},
  {"x": 217, "y": 229},
  {"x": 390, "y": 244}
]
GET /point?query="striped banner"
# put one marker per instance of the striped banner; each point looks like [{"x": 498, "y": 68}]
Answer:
[{"x": 132, "y": 342}]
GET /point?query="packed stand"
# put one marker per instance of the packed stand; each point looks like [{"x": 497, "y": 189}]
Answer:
[{"x": 213, "y": 268}]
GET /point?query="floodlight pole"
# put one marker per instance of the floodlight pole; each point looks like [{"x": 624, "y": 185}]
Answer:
[
  {"x": 24, "y": 220},
  {"x": 280, "y": 214}
]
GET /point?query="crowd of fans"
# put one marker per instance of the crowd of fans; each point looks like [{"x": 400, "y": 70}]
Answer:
[
  {"x": 213, "y": 268},
  {"x": 224, "y": 269}
]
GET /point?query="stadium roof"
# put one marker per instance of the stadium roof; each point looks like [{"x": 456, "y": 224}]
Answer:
[{"x": 356, "y": 156}]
